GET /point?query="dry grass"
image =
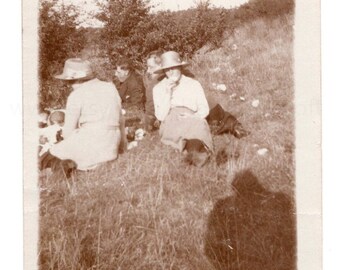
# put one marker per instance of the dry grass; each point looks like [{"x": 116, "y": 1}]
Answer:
[{"x": 148, "y": 210}]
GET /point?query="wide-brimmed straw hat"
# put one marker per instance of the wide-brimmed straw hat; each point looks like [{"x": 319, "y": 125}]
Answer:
[
  {"x": 170, "y": 59},
  {"x": 75, "y": 68}
]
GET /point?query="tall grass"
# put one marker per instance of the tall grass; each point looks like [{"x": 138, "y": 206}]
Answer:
[{"x": 149, "y": 210}]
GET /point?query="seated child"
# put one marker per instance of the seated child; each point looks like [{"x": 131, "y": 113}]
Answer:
[{"x": 52, "y": 133}]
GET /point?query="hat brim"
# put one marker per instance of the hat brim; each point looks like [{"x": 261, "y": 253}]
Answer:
[
  {"x": 161, "y": 70},
  {"x": 68, "y": 78}
]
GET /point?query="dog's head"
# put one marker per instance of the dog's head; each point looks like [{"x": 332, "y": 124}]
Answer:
[
  {"x": 221, "y": 122},
  {"x": 230, "y": 125},
  {"x": 197, "y": 153},
  {"x": 216, "y": 115}
]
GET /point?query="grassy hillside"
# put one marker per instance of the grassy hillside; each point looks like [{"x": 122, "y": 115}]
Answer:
[
  {"x": 149, "y": 210},
  {"x": 256, "y": 64}
]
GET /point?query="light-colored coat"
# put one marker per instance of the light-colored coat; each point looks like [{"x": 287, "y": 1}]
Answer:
[{"x": 92, "y": 125}]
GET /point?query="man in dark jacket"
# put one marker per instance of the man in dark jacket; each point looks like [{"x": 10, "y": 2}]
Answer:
[{"x": 130, "y": 86}]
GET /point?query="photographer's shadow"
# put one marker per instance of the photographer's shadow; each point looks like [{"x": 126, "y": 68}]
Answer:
[{"x": 253, "y": 229}]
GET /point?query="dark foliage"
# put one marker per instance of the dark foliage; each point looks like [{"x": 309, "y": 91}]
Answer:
[
  {"x": 131, "y": 30},
  {"x": 59, "y": 39},
  {"x": 262, "y": 8},
  {"x": 58, "y": 35}
]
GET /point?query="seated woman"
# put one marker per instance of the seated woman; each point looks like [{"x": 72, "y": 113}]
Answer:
[
  {"x": 92, "y": 128},
  {"x": 180, "y": 105}
]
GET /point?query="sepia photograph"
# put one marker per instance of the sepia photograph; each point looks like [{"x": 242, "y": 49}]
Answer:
[{"x": 165, "y": 134}]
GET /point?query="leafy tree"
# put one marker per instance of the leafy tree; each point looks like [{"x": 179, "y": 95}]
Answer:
[
  {"x": 121, "y": 18},
  {"x": 132, "y": 31},
  {"x": 58, "y": 36},
  {"x": 59, "y": 39}
]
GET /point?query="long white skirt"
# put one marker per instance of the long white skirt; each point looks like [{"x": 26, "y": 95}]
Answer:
[{"x": 182, "y": 124}]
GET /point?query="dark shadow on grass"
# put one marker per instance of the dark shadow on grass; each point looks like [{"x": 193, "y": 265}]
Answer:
[{"x": 253, "y": 229}]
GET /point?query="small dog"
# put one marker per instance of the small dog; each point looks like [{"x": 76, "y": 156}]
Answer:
[
  {"x": 221, "y": 122},
  {"x": 197, "y": 153}
]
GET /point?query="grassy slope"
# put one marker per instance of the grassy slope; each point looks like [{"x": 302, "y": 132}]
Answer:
[{"x": 148, "y": 210}]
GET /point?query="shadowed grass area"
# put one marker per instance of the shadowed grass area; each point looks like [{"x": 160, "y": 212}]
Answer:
[
  {"x": 148, "y": 209},
  {"x": 253, "y": 229}
]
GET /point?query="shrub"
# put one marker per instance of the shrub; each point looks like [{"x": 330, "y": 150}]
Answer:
[
  {"x": 132, "y": 31},
  {"x": 58, "y": 35},
  {"x": 59, "y": 39},
  {"x": 263, "y": 8}
]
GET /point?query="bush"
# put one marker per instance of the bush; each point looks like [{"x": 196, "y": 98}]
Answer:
[
  {"x": 59, "y": 36},
  {"x": 132, "y": 31},
  {"x": 272, "y": 7},
  {"x": 187, "y": 31},
  {"x": 59, "y": 39},
  {"x": 263, "y": 8}
]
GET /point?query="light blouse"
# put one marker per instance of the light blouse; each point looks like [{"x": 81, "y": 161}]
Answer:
[{"x": 187, "y": 93}]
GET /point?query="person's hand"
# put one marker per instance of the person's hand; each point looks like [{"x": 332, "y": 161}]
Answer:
[
  {"x": 171, "y": 85},
  {"x": 157, "y": 124},
  {"x": 43, "y": 139}
]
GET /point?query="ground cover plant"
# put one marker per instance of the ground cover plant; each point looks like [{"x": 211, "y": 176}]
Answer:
[{"x": 150, "y": 210}]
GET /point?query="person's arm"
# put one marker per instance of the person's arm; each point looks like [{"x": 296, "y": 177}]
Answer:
[
  {"x": 122, "y": 92},
  {"x": 72, "y": 114},
  {"x": 202, "y": 103},
  {"x": 161, "y": 99}
]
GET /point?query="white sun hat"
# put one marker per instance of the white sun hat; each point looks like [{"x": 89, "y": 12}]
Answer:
[
  {"x": 170, "y": 59},
  {"x": 75, "y": 68}
]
